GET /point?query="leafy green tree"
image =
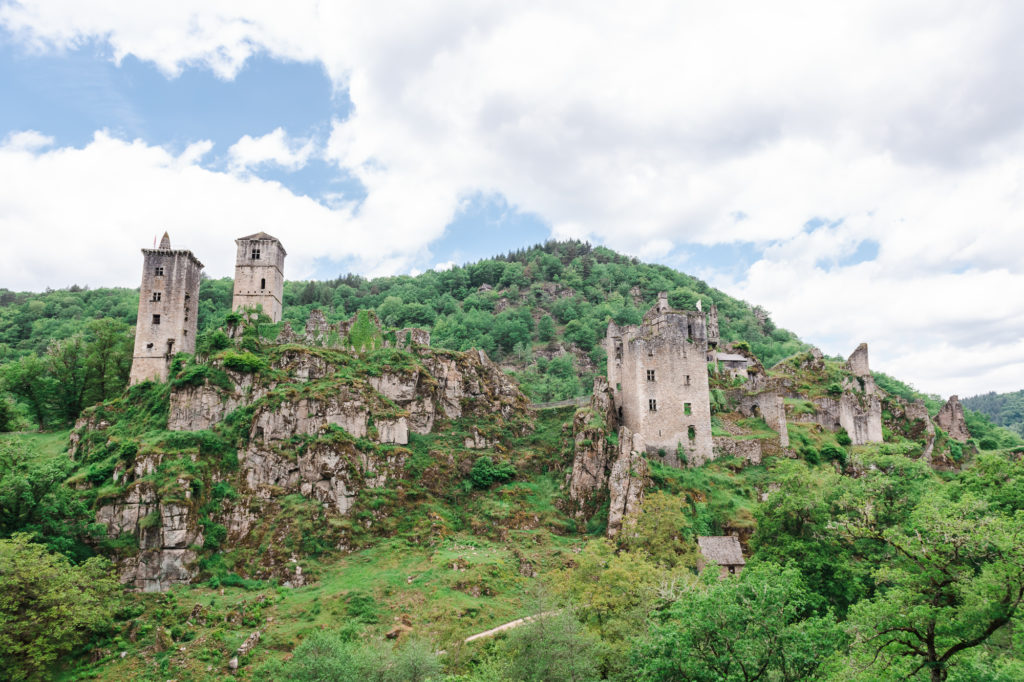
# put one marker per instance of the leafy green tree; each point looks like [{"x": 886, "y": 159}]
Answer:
[
  {"x": 48, "y": 607},
  {"x": 554, "y": 646},
  {"x": 954, "y": 577},
  {"x": 29, "y": 379},
  {"x": 546, "y": 329},
  {"x": 662, "y": 530},
  {"x": 755, "y": 626}
]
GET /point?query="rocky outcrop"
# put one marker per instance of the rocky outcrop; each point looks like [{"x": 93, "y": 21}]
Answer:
[
  {"x": 920, "y": 425},
  {"x": 592, "y": 451},
  {"x": 331, "y": 473},
  {"x": 166, "y": 533},
  {"x": 858, "y": 414},
  {"x": 323, "y": 423},
  {"x": 951, "y": 420},
  {"x": 626, "y": 481}
]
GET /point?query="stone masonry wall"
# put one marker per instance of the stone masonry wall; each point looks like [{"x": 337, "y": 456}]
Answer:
[
  {"x": 259, "y": 282},
  {"x": 170, "y": 290}
]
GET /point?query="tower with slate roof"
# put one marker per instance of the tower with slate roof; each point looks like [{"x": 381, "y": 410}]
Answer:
[{"x": 259, "y": 274}]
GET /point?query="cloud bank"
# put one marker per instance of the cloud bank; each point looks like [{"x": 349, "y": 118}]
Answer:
[{"x": 646, "y": 128}]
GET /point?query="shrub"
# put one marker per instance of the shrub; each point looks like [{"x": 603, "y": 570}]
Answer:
[
  {"x": 843, "y": 438},
  {"x": 834, "y": 453},
  {"x": 244, "y": 361},
  {"x": 486, "y": 472}
]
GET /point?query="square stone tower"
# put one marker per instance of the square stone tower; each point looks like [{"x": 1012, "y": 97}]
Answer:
[
  {"x": 659, "y": 374},
  {"x": 168, "y": 308},
  {"x": 259, "y": 274}
]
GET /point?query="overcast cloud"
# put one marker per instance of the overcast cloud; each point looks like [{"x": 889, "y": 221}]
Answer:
[{"x": 648, "y": 127}]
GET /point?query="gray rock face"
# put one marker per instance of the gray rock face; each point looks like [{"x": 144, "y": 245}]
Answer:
[
  {"x": 951, "y": 420},
  {"x": 626, "y": 481},
  {"x": 747, "y": 450},
  {"x": 592, "y": 453},
  {"x": 291, "y": 447},
  {"x": 165, "y": 532},
  {"x": 917, "y": 412}
]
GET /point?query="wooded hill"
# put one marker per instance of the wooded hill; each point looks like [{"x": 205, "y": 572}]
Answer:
[{"x": 304, "y": 535}]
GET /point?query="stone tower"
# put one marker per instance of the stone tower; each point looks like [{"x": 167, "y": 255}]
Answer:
[
  {"x": 168, "y": 300},
  {"x": 259, "y": 274},
  {"x": 658, "y": 372}
]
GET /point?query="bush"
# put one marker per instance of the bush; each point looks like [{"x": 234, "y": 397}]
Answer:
[
  {"x": 486, "y": 472},
  {"x": 243, "y": 362},
  {"x": 843, "y": 438},
  {"x": 834, "y": 453}
]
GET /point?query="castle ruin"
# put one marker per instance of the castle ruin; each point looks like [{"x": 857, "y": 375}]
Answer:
[
  {"x": 659, "y": 377},
  {"x": 168, "y": 300},
  {"x": 259, "y": 274}
]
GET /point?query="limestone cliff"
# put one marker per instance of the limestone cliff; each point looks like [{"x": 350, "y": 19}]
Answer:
[
  {"x": 245, "y": 432},
  {"x": 607, "y": 464}
]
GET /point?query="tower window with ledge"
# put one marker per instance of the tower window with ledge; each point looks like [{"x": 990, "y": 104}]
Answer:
[{"x": 255, "y": 254}]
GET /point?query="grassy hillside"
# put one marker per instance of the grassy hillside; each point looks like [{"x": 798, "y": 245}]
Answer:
[{"x": 863, "y": 562}]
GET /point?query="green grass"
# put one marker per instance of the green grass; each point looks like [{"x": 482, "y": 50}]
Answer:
[{"x": 46, "y": 445}]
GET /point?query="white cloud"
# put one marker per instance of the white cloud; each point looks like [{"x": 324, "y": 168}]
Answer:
[
  {"x": 652, "y": 125},
  {"x": 81, "y": 215},
  {"x": 274, "y": 147},
  {"x": 27, "y": 140}
]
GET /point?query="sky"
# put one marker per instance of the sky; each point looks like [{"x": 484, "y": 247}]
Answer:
[{"x": 854, "y": 168}]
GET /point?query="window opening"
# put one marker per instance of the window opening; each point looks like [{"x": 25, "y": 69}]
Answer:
[
  {"x": 263, "y": 283},
  {"x": 618, "y": 387},
  {"x": 159, "y": 272},
  {"x": 156, "y": 295},
  {"x": 650, "y": 375},
  {"x": 692, "y": 433},
  {"x": 687, "y": 379},
  {"x": 156, "y": 319},
  {"x": 652, "y": 404},
  {"x": 687, "y": 409},
  {"x": 255, "y": 254}
]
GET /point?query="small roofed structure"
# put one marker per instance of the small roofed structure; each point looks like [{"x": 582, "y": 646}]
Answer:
[
  {"x": 734, "y": 364},
  {"x": 724, "y": 550}
]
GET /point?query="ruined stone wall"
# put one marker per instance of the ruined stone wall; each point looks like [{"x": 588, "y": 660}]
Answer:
[
  {"x": 259, "y": 281},
  {"x": 951, "y": 420},
  {"x": 672, "y": 345},
  {"x": 168, "y": 311},
  {"x": 768, "y": 405}
]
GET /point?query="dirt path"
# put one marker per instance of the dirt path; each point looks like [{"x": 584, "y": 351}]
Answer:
[{"x": 508, "y": 626}]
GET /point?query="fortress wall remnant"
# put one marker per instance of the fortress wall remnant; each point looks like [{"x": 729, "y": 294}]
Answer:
[{"x": 168, "y": 300}]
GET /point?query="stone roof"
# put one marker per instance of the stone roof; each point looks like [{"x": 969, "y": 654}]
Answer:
[
  {"x": 258, "y": 235},
  {"x": 732, "y": 357},
  {"x": 724, "y": 550}
]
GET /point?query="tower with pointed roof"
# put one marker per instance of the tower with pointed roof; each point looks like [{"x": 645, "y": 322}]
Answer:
[
  {"x": 259, "y": 274},
  {"x": 168, "y": 300}
]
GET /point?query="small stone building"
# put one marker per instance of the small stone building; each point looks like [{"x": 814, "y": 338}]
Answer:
[
  {"x": 659, "y": 377},
  {"x": 168, "y": 300},
  {"x": 733, "y": 364},
  {"x": 259, "y": 274},
  {"x": 724, "y": 550}
]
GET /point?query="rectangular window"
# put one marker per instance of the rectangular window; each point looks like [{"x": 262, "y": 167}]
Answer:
[
  {"x": 687, "y": 379},
  {"x": 618, "y": 387},
  {"x": 159, "y": 272},
  {"x": 156, "y": 295},
  {"x": 687, "y": 409},
  {"x": 652, "y": 405},
  {"x": 255, "y": 254},
  {"x": 650, "y": 375},
  {"x": 692, "y": 433},
  {"x": 156, "y": 319},
  {"x": 263, "y": 284}
]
